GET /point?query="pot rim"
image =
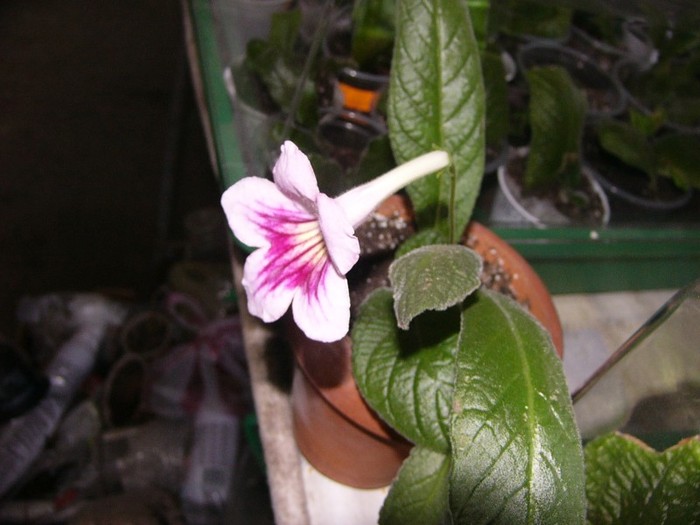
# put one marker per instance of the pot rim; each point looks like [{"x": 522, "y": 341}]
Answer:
[
  {"x": 651, "y": 204},
  {"x": 514, "y": 201}
]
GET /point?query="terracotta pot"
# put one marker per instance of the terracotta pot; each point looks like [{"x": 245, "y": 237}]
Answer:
[
  {"x": 527, "y": 286},
  {"x": 335, "y": 429}
]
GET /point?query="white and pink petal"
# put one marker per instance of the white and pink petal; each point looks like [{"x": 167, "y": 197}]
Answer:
[
  {"x": 295, "y": 176},
  {"x": 257, "y": 211},
  {"x": 339, "y": 235},
  {"x": 322, "y": 308},
  {"x": 265, "y": 300}
]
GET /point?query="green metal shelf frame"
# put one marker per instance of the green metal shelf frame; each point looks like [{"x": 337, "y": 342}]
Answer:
[
  {"x": 214, "y": 101},
  {"x": 581, "y": 260},
  {"x": 569, "y": 260}
]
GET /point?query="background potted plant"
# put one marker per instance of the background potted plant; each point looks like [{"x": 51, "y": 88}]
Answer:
[
  {"x": 637, "y": 165},
  {"x": 547, "y": 182},
  {"x": 313, "y": 81},
  {"x": 667, "y": 86},
  {"x": 604, "y": 97}
]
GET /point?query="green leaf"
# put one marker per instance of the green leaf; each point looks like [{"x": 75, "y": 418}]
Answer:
[
  {"x": 436, "y": 100},
  {"x": 284, "y": 30},
  {"x": 276, "y": 63},
  {"x": 628, "y": 144},
  {"x": 679, "y": 159},
  {"x": 479, "y": 14},
  {"x": 373, "y": 32},
  {"x": 433, "y": 278},
  {"x": 647, "y": 124},
  {"x": 629, "y": 482},
  {"x": 419, "y": 495},
  {"x": 557, "y": 115},
  {"x": 424, "y": 237},
  {"x": 497, "y": 110},
  {"x": 516, "y": 450},
  {"x": 527, "y": 17},
  {"x": 406, "y": 376}
]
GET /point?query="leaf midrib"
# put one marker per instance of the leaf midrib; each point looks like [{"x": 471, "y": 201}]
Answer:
[{"x": 530, "y": 396}]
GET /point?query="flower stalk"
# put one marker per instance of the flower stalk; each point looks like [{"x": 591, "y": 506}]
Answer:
[{"x": 360, "y": 201}]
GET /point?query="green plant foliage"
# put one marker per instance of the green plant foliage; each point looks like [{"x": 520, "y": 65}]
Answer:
[
  {"x": 279, "y": 66},
  {"x": 627, "y": 143},
  {"x": 433, "y": 278},
  {"x": 673, "y": 155},
  {"x": 670, "y": 87},
  {"x": 530, "y": 17},
  {"x": 419, "y": 495},
  {"x": 425, "y": 237},
  {"x": 436, "y": 100},
  {"x": 646, "y": 123},
  {"x": 679, "y": 158},
  {"x": 407, "y": 376},
  {"x": 599, "y": 25},
  {"x": 557, "y": 115},
  {"x": 630, "y": 483},
  {"x": 373, "y": 34},
  {"x": 487, "y": 391},
  {"x": 497, "y": 110},
  {"x": 479, "y": 14},
  {"x": 378, "y": 159},
  {"x": 516, "y": 451}
]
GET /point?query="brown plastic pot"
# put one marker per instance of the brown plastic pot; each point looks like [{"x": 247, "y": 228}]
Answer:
[{"x": 335, "y": 429}]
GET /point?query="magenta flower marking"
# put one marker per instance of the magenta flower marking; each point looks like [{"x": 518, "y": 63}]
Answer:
[{"x": 305, "y": 239}]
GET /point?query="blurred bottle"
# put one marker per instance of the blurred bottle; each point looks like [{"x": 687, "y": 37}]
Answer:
[
  {"x": 207, "y": 487},
  {"x": 25, "y": 436}
]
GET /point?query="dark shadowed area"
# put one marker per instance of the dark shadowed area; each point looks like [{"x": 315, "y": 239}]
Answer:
[{"x": 101, "y": 148}]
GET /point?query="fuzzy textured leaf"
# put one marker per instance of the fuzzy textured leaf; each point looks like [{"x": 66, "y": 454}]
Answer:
[
  {"x": 630, "y": 483},
  {"x": 419, "y": 495},
  {"x": 433, "y": 278},
  {"x": 516, "y": 451},
  {"x": 407, "y": 376},
  {"x": 436, "y": 100}
]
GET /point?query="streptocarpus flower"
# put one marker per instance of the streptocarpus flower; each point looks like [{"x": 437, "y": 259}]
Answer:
[{"x": 305, "y": 239}]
